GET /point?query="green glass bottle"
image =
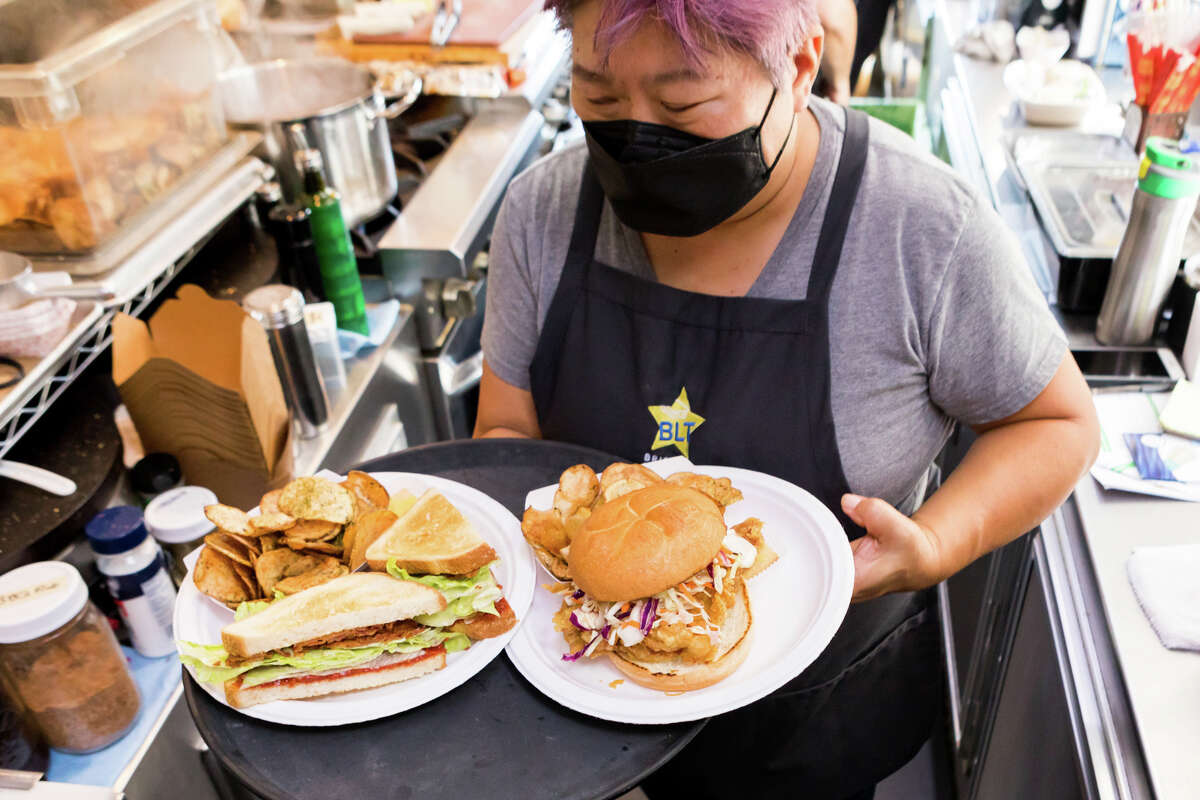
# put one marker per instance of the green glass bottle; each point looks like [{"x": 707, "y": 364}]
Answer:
[{"x": 331, "y": 240}]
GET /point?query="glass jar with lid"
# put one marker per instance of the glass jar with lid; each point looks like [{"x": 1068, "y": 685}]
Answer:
[{"x": 60, "y": 660}]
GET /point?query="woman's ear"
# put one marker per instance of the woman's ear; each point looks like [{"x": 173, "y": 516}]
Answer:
[{"x": 807, "y": 60}]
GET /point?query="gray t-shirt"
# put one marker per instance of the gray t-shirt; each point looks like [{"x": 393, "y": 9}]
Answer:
[{"x": 934, "y": 315}]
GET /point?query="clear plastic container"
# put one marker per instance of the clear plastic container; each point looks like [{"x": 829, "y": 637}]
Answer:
[
  {"x": 105, "y": 105},
  {"x": 60, "y": 660}
]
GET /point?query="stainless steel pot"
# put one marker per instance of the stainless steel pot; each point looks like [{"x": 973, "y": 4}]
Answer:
[{"x": 329, "y": 104}]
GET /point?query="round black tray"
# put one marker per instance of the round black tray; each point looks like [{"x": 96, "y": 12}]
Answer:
[{"x": 495, "y": 736}]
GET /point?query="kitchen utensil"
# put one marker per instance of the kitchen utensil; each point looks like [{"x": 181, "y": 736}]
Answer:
[
  {"x": 19, "y": 284},
  {"x": 800, "y": 600},
  {"x": 199, "y": 618},
  {"x": 280, "y": 310},
  {"x": 445, "y": 20},
  {"x": 1149, "y": 256},
  {"x": 43, "y": 479},
  {"x": 342, "y": 113}
]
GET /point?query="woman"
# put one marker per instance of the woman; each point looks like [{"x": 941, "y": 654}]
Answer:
[{"x": 790, "y": 289}]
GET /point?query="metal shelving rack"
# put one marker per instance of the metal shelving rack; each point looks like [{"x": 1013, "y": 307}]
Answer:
[{"x": 135, "y": 285}]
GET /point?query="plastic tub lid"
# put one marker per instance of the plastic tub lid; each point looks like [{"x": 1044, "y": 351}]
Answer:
[
  {"x": 38, "y": 599},
  {"x": 177, "y": 516},
  {"x": 116, "y": 530}
]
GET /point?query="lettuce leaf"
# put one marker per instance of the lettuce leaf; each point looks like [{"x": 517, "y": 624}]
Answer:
[
  {"x": 208, "y": 660},
  {"x": 464, "y": 595},
  {"x": 249, "y": 608}
]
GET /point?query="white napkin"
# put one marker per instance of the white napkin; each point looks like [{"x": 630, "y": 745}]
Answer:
[{"x": 1166, "y": 582}]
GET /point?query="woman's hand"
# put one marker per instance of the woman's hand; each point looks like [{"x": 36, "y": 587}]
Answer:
[{"x": 898, "y": 554}]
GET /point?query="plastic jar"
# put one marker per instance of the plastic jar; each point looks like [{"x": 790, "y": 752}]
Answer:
[
  {"x": 176, "y": 521},
  {"x": 137, "y": 577},
  {"x": 60, "y": 660}
]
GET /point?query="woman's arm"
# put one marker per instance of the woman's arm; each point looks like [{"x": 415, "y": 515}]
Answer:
[
  {"x": 504, "y": 410},
  {"x": 839, "y": 18},
  {"x": 1017, "y": 472}
]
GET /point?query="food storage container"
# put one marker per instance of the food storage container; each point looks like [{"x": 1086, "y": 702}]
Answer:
[
  {"x": 60, "y": 660},
  {"x": 176, "y": 520},
  {"x": 105, "y": 105}
]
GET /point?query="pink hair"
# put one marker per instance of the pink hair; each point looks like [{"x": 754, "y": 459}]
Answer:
[{"x": 769, "y": 31}]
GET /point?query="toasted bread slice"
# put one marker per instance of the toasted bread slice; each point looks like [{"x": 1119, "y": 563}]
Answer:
[
  {"x": 380, "y": 672},
  {"x": 351, "y": 601},
  {"x": 432, "y": 538}
]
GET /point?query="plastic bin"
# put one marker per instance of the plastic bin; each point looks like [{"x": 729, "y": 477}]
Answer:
[{"x": 105, "y": 106}]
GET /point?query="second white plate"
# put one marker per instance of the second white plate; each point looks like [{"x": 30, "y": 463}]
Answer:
[{"x": 798, "y": 605}]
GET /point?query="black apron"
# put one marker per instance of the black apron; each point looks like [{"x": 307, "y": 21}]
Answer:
[{"x": 640, "y": 369}]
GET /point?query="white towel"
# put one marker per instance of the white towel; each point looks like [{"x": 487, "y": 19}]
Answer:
[{"x": 1166, "y": 582}]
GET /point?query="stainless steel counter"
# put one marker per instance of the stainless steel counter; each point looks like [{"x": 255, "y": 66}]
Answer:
[
  {"x": 1132, "y": 703},
  {"x": 381, "y": 409}
]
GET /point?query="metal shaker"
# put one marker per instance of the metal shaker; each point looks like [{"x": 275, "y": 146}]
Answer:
[
  {"x": 280, "y": 309},
  {"x": 1150, "y": 252}
]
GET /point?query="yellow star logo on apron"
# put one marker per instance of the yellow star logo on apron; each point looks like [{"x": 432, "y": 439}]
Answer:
[{"x": 676, "y": 423}]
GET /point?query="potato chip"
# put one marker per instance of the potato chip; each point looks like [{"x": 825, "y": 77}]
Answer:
[
  {"x": 348, "y": 536},
  {"x": 228, "y": 518},
  {"x": 216, "y": 576},
  {"x": 366, "y": 488},
  {"x": 317, "y": 499},
  {"x": 327, "y": 571},
  {"x": 246, "y": 575},
  {"x": 270, "y": 522},
  {"x": 270, "y": 541},
  {"x": 366, "y": 531},
  {"x": 280, "y": 564},
  {"x": 229, "y": 547},
  {"x": 312, "y": 530},
  {"x": 251, "y": 544},
  {"x": 270, "y": 501},
  {"x": 316, "y": 547}
]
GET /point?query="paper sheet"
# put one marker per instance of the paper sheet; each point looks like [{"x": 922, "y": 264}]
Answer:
[{"x": 1137, "y": 412}]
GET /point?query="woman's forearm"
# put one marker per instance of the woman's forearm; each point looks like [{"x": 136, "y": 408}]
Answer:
[
  {"x": 1011, "y": 479},
  {"x": 501, "y": 433}
]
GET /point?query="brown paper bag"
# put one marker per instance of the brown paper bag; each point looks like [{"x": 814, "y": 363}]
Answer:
[{"x": 200, "y": 383}]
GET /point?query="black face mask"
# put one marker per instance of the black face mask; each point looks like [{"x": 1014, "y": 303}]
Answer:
[{"x": 666, "y": 181}]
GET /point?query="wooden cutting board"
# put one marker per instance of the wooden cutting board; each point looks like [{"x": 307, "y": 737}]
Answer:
[{"x": 484, "y": 23}]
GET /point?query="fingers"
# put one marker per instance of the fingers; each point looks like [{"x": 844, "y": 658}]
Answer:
[{"x": 876, "y": 515}]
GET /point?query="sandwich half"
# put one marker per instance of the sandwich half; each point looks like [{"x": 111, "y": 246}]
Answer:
[
  {"x": 658, "y": 586},
  {"x": 435, "y": 545},
  {"x": 355, "y": 632}
]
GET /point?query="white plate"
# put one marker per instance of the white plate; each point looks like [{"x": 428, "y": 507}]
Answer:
[
  {"x": 199, "y": 620},
  {"x": 800, "y": 600}
]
